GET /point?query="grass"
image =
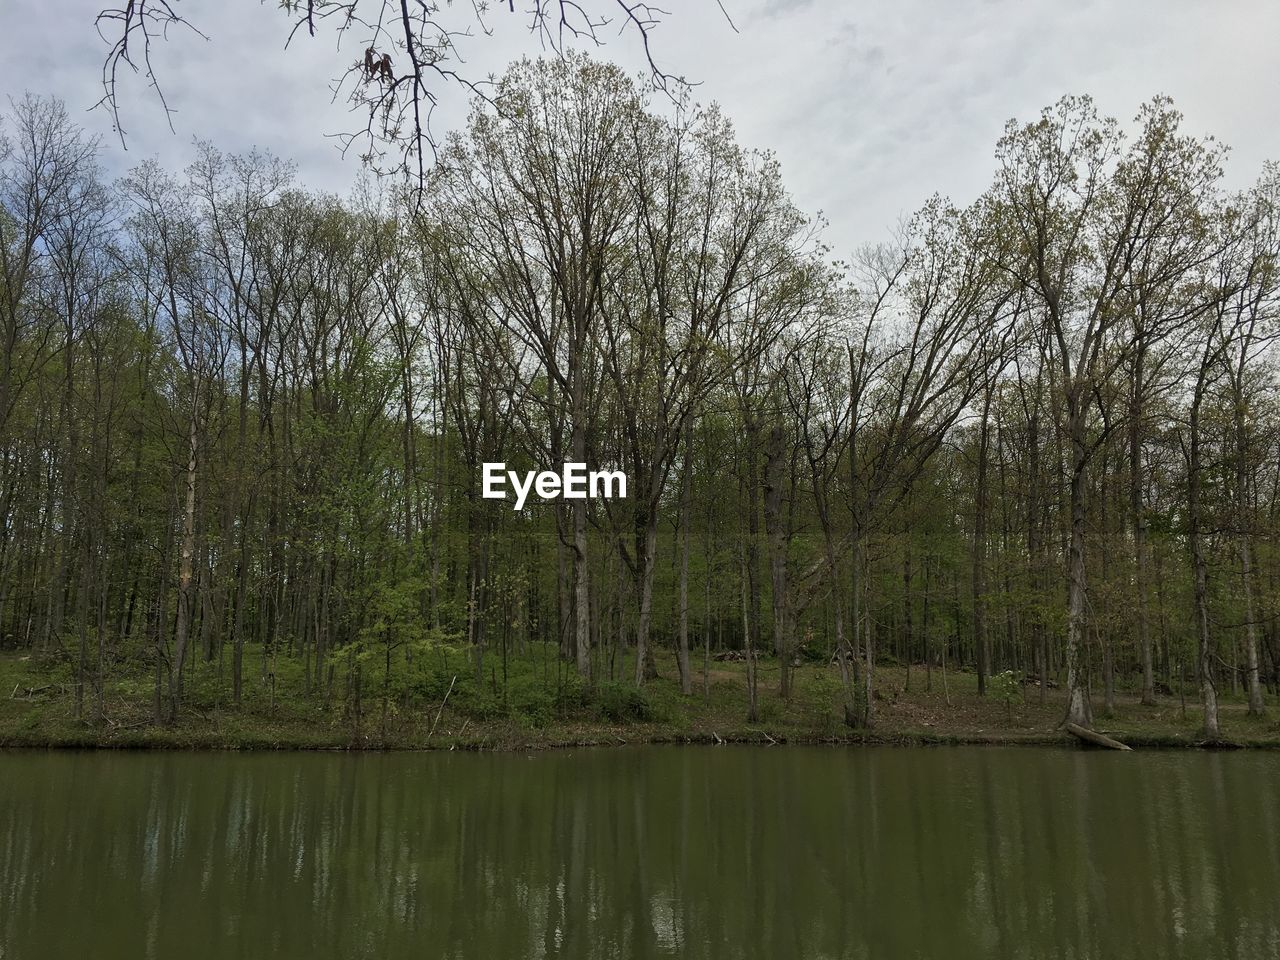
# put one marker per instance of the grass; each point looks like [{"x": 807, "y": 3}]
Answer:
[{"x": 542, "y": 704}]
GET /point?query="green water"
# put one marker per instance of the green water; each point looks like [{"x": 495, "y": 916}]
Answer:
[{"x": 662, "y": 851}]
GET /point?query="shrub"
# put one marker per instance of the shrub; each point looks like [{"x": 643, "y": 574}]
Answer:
[
  {"x": 1006, "y": 688},
  {"x": 531, "y": 702},
  {"x": 572, "y": 696},
  {"x": 623, "y": 703}
]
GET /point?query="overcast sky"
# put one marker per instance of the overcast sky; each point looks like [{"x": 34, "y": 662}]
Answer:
[{"x": 871, "y": 105}]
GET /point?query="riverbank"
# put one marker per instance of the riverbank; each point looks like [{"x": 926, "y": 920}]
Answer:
[{"x": 38, "y": 710}]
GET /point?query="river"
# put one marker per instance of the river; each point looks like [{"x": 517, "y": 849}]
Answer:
[{"x": 641, "y": 852}]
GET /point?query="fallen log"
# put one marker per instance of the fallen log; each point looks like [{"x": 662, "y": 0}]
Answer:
[
  {"x": 1093, "y": 737},
  {"x": 29, "y": 692}
]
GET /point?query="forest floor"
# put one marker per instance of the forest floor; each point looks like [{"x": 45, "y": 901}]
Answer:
[{"x": 542, "y": 706}]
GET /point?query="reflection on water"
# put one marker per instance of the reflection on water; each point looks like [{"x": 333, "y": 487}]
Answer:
[{"x": 631, "y": 853}]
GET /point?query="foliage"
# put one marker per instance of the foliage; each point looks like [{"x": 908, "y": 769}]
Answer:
[{"x": 242, "y": 424}]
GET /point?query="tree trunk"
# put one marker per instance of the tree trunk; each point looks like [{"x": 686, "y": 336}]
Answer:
[
  {"x": 906, "y": 603},
  {"x": 1078, "y": 707},
  {"x": 682, "y": 638},
  {"x": 1206, "y": 655},
  {"x": 753, "y": 709},
  {"x": 981, "y": 642},
  {"x": 647, "y": 562},
  {"x": 1138, "y": 517},
  {"x": 775, "y": 529},
  {"x": 186, "y": 583},
  {"x": 1256, "y": 706}
]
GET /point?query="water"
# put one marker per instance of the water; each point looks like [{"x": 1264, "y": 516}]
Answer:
[{"x": 662, "y": 851}]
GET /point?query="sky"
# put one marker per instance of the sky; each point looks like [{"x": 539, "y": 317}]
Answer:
[{"x": 871, "y": 106}]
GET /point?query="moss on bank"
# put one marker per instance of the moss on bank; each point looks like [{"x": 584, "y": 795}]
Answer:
[{"x": 541, "y": 706}]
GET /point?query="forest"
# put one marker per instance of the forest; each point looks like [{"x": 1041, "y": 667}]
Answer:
[{"x": 1031, "y": 438}]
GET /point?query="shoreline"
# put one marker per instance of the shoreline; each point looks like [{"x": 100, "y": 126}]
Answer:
[
  {"x": 499, "y": 740},
  {"x": 40, "y": 715}
]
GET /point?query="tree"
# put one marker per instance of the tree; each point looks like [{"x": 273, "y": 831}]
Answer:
[
  {"x": 1079, "y": 215},
  {"x": 1250, "y": 326},
  {"x": 244, "y": 423}
]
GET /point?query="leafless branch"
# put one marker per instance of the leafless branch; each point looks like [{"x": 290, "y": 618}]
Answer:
[
  {"x": 411, "y": 53},
  {"x": 138, "y": 21}
]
